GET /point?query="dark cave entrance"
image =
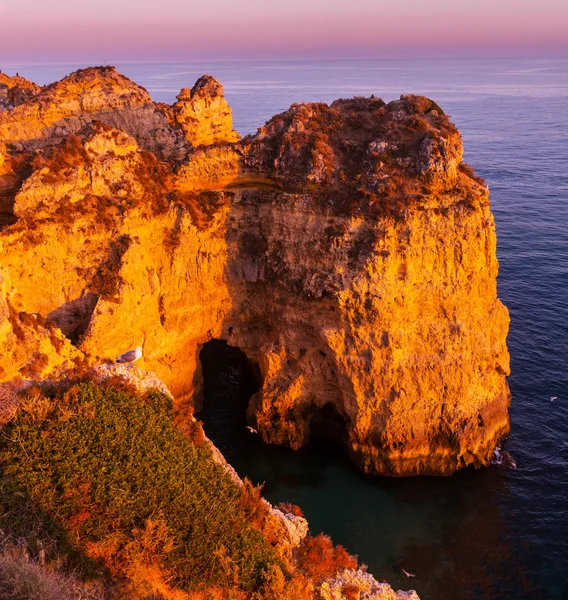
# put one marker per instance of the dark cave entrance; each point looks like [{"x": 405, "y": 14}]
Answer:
[
  {"x": 229, "y": 380},
  {"x": 328, "y": 424}
]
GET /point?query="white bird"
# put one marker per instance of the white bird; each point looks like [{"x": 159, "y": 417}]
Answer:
[
  {"x": 408, "y": 574},
  {"x": 553, "y": 398},
  {"x": 252, "y": 429},
  {"x": 130, "y": 357}
]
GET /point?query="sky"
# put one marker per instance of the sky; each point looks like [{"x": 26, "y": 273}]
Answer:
[{"x": 139, "y": 30}]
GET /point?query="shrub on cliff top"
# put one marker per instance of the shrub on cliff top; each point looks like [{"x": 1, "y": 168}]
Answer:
[
  {"x": 319, "y": 559},
  {"x": 109, "y": 476}
]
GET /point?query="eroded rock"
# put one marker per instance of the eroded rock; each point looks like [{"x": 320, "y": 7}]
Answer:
[
  {"x": 359, "y": 584},
  {"x": 204, "y": 114},
  {"x": 346, "y": 249}
]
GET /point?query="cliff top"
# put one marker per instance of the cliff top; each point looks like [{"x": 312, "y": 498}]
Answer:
[
  {"x": 11, "y": 81},
  {"x": 92, "y": 80},
  {"x": 205, "y": 86},
  {"x": 15, "y": 90},
  {"x": 354, "y": 156}
]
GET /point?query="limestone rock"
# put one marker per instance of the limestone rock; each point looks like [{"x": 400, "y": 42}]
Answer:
[
  {"x": 346, "y": 249},
  {"x": 141, "y": 381},
  {"x": 95, "y": 93},
  {"x": 204, "y": 114},
  {"x": 15, "y": 90},
  {"x": 31, "y": 346},
  {"x": 296, "y": 527},
  {"x": 348, "y": 582},
  {"x": 98, "y": 164}
]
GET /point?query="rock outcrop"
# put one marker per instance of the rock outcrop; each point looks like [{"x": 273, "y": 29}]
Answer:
[
  {"x": 366, "y": 586},
  {"x": 93, "y": 94},
  {"x": 15, "y": 90},
  {"x": 204, "y": 114},
  {"x": 346, "y": 249}
]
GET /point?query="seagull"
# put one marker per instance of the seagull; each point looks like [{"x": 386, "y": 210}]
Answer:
[
  {"x": 130, "y": 357},
  {"x": 408, "y": 574},
  {"x": 252, "y": 429},
  {"x": 553, "y": 398}
]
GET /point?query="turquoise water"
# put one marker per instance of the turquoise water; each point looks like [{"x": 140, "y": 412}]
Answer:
[{"x": 495, "y": 534}]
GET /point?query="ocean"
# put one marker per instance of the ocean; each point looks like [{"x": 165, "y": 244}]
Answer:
[{"x": 492, "y": 534}]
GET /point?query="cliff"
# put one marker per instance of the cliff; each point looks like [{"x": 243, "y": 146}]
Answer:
[
  {"x": 15, "y": 90},
  {"x": 169, "y": 518},
  {"x": 346, "y": 249}
]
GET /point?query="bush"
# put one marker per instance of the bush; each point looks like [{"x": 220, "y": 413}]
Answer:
[
  {"x": 319, "y": 559},
  {"x": 292, "y": 509},
  {"x": 109, "y": 477}
]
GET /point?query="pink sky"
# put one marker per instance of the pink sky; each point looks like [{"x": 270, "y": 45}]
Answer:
[{"x": 98, "y": 30}]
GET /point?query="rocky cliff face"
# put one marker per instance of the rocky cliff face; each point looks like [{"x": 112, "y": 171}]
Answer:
[
  {"x": 345, "y": 248},
  {"x": 15, "y": 90},
  {"x": 204, "y": 114}
]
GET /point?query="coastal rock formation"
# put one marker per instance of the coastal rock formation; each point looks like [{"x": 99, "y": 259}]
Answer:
[
  {"x": 367, "y": 292},
  {"x": 204, "y": 114},
  {"x": 100, "y": 94},
  {"x": 346, "y": 249},
  {"x": 15, "y": 90},
  {"x": 365, "y": 584}
]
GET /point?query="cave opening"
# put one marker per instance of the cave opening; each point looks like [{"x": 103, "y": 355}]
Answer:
[
  {"x": 229, "y": 380},
  {"x": 328, "y": 424}
]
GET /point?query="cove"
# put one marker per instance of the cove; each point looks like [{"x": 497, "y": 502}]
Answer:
[{"x": 448, "y": 531}]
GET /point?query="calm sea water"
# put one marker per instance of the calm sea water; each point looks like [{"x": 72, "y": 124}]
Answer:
[{"x": 495, "y": 534}]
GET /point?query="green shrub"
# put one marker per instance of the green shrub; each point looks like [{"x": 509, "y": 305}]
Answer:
[{"x": 97, "y": 469}]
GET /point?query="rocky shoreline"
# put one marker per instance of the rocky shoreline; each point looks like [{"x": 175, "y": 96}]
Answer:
[{"x": 346, "y": 249}]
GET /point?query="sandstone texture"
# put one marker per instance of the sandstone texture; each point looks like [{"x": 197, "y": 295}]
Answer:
[
  {"x": 346, "y": 249},
  {"x": 15, "y": 90},
  {"x": 204, "y": 114},
  {"x": 93, "y": 94}
]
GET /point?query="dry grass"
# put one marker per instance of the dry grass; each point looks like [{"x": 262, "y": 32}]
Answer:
[
  {"x": 22, "y": 578},
  {"x": 9, "y": 400}
]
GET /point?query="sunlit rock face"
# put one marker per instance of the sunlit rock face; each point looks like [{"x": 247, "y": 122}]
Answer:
[
  {"x": 93, "y": 94},
  {"x": 15, "y": 90},
  {"x": 346, "y": 249},
  {"x": 204, "y": 114}
]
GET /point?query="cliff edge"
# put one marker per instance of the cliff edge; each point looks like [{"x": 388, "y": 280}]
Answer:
[{"x": 346, "y": 249}]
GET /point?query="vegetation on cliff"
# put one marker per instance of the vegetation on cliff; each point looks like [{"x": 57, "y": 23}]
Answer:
[
  {"x": 102, "y": 495},
  {"x": 106, "y": 479}
]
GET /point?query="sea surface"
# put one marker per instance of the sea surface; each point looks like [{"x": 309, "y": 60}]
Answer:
[{"x": 493, "y": 534}]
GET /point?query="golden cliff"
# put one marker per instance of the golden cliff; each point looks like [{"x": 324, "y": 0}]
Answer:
[{"x": 346, "y": 249}]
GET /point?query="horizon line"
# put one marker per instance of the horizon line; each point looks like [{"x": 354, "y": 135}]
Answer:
[{"x": 422, "y": 57}]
